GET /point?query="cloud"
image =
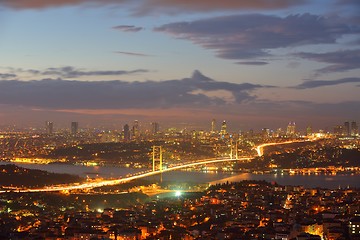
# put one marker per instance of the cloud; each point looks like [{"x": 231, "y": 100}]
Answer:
[
  {"x": 197, "y": 98},
  {"x": 150, "y": 6},
  {"x": 128, "y": 28},
  {"x": 349, "y": 2},
  {"x": 39, "y": 4},
  {"x": 133, "y": 54},
  {"x": 71, "y": 72},
  {"x": 176, "y": 6},
  {"x": 255, "y": 63},
  {"x": 323, "y": 83},
  {"x": 341, "y": 61},
  {"x": 62, "y": 94},
  {"x": 255, "y": 35},
  {"x": 7, "y": 76}
]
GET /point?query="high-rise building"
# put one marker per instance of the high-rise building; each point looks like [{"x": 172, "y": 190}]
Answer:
[
  {"x": 265, "y": 132},
  {"x": 339, "y": 130},
  {"x": 126, "y": 131},
  {"x": 309, "y": 131},
  {"x": 279, "y": 132},
  {"x": 223, "y": 128},
  {"x": 213, "y": 126},
  {"x": 49, "y": 127},
  {"x": 354, "y": 129},
  {"x": 347, "y": 129},
  {"x": 74, "y": 128},
  {"x": 136, "y": 129},
  {"x": 155, "y": 128},
  {"x": 291, "y": 129}
]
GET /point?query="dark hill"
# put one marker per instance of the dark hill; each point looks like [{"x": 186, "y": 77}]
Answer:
[{"x": 12, "y": 175}]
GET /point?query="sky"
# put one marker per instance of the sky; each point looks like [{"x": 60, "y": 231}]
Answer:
[{"x": 256, "y": 64}]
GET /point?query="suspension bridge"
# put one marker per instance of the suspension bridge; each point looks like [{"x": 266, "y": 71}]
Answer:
[{"x": 158, "y": 168}]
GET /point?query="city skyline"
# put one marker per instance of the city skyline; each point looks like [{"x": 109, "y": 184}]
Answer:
[
  {"x": 134, "y": 130},
  {"x": 255, "y": 65}
]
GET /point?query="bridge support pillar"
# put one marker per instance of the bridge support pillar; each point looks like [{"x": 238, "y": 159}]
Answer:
[
  {"x": 157, "y": 157},
  {"x": 234, "y": 150}
]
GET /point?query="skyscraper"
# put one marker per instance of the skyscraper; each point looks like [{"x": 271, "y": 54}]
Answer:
[
  {"x": 265, "y": 132},
  {"x": 213, "y": 126},
  {"x": 354, "y": 129},
  {"x": 136, "y": 129},
  {"x": 308, "y": 130},
  {"x": 49, "y": 127},
  {"x": 155, "y": 128},
  {"x": 339, "y": 130},
  {"x": 347, "y": 128},
  {"x": 74, "y": 128},
  {"x": 223, "y": 128},
  {"x": 291, "y": 129},
  {"x": 126, "y": 132}
]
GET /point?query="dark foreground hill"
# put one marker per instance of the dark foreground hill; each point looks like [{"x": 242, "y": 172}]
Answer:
[{"x": 12, "y": 175}]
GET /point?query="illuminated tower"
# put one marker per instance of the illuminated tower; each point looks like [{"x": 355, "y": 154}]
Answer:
[
  {"x": 135, "y": 129},
  {"x": 291, "y": 129},
  {"x": 347, "y": 128},
  {"x": 126, "y": 131},
  {"x": 157, "y": 157},
  {"x": 354, "y": 129},
  {"x": 49, "y": 127},
  {"x": 74, "y": 128},
  {"x": 265, "y": 132},
  {"x": 308, "y": 131},
  {"x": 339, "y": 130},
  {"x": 213, "y": 126},
  {"x": 223, "y": 128},
  {"x": 155, "y": 128}
]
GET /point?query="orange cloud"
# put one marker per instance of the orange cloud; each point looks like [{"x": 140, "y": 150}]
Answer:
[
  {"x": 20, "y": 4},
  {"x": 155, "y": 5},
  {"x": 154, "y": 112},
  {"x": 215, "y": 5}
]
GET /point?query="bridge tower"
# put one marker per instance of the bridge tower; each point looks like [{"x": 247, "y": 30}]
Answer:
[
  {"x": 234, "y": 150},
  {"x": 157, "y": 157},
  {"x": 259, "y": 150}
]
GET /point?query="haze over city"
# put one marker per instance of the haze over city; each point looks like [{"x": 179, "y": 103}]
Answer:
[{"x": 254, "y": 63}]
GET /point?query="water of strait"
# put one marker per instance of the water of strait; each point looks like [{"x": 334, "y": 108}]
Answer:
[{"x": 323, "y": 181}]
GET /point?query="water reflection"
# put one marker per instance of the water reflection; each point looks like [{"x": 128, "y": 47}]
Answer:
[{"x": 320, "y": 180}]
